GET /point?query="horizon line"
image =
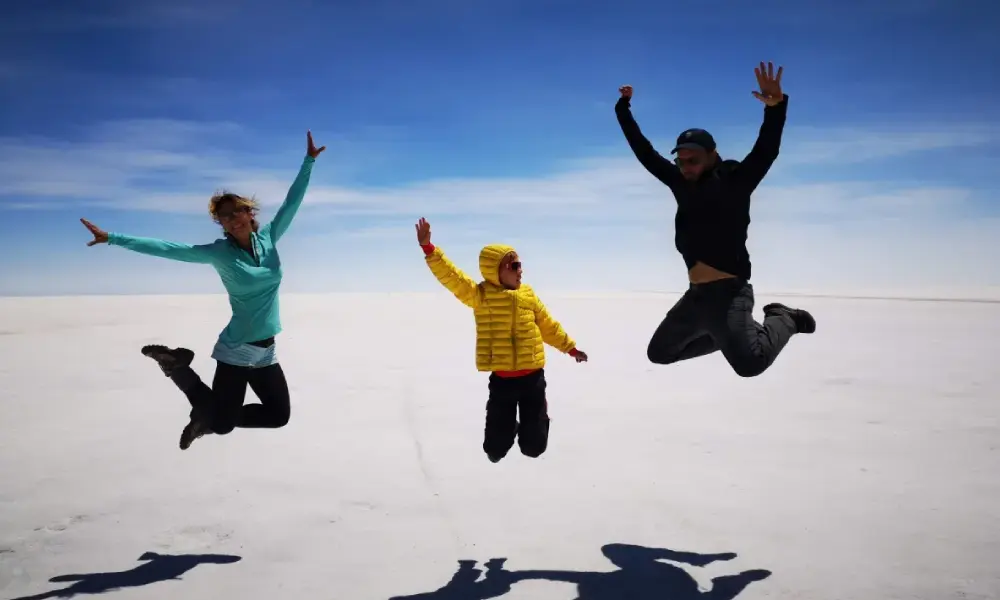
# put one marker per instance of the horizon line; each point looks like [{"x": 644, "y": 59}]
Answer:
[{"x": 554, "y": 293}]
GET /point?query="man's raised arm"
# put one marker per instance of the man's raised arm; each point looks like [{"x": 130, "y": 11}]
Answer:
[
  {"x": 661, "y": 168},
  {"x": 765, "y": 150}
]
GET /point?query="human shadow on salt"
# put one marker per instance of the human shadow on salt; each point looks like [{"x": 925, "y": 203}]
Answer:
[
  {"x": 640, "y": 576},
  {"x": 156, "y": 568}
]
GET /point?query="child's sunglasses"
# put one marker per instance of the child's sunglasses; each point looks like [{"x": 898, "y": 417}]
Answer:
[{"x": 514, "y": 265}]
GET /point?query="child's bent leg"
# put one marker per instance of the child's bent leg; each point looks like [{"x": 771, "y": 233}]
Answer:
[
  {"x": 533, "y": 434},
  {"x": 501, "y": 418}
]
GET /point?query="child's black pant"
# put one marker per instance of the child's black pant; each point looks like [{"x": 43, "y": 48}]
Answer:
[
  {"x": 222, "y": 407},
  {"x": 508, "y": 396}
]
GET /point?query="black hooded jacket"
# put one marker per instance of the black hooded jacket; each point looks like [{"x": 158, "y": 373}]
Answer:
[{"x": 713, "y": 213}]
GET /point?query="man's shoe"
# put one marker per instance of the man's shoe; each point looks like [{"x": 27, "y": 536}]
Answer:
[{"x": 804, "y": 322}]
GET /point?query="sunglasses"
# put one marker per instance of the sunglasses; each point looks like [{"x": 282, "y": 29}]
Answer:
[
  {"x": 230, "y": 213},
  {"x": 694, "y": 161},
  {"x": 514, "y": 265}
]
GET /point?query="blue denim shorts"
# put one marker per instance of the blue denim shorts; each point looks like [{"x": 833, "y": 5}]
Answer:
[{"x": 245, "y": 355}]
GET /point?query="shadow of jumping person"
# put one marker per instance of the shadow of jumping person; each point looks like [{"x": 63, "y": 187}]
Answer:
[
  {"x": 640, "y": 576},
  {"x": 465, "y": 584},
  {"x": 158, "y": 567}
]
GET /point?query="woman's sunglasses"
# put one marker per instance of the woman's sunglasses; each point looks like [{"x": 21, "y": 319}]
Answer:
[{"x": 232, "y": 212}]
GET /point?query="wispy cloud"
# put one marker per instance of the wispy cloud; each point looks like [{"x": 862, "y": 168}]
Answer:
[
  {"x": 172, "y": 166},
  {"x": 858, "y": 145},
  {"x": 111, "y": 163},
  {"x": 159, "y": 165},
  {"x": 811, "y": 234}
]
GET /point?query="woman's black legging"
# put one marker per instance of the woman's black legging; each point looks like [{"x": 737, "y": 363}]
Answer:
[{"x": 222, "y": 406}]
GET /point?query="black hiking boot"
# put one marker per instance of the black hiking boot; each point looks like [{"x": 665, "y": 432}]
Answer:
[
  {"x": 169, "y": 359},
  {"x": 192, "y": 431},
  {"x": 804, "y": 322}
]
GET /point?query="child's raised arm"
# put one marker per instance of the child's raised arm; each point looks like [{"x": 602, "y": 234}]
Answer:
[
  {"x": 457, "y": 282},
  {"x": 553, "y": 333}
]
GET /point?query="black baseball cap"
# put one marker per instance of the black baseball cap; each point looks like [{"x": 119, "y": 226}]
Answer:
[{"x": 695, "y": 139}]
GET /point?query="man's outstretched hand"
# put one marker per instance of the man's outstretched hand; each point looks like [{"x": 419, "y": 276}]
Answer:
[
  {"x": 625, "y": 91},
  {"x": 579, "y": 355},
  {"x": 770, "y": 84}
]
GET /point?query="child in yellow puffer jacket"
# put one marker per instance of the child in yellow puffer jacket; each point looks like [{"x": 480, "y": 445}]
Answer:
[{"x": 512, "y": 328}]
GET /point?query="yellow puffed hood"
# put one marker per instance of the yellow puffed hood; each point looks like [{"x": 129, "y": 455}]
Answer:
[{"x": 489, "y": 261}]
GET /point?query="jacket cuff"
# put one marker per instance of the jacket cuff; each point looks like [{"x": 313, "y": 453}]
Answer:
[
  {"x": 428, "y": 249},
  {"x": 779, "y": 106}
]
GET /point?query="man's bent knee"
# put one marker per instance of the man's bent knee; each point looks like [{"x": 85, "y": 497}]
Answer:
[{"x": 749, "y": 366}]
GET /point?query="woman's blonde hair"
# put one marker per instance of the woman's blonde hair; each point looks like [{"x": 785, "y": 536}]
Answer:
[{"x": 242, "y": 201}]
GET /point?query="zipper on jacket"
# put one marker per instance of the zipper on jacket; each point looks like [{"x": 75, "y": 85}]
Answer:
[
  {"x": 513, "y": 334},
  {"x": 252, "y": 252}
]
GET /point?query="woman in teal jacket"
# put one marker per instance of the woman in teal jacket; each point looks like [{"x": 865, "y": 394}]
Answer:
[{"x": 247, "y": 261}]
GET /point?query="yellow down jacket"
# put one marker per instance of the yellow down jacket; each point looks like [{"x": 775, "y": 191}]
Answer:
[{"x": 512, "y": 326}]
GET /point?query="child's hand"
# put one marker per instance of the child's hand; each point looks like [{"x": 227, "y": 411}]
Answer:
[
  {"x": 423, "y": 232},
  {"x": 579, "y": 356}
]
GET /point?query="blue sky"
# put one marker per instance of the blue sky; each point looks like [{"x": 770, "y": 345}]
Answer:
[{"x": 494, "y": 119}]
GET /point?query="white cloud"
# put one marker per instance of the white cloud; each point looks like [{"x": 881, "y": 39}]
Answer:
[
  {"x": 858, "y": 145},
  {"x": 172, "y": 166},
  {"x": 605, "y": 216}
]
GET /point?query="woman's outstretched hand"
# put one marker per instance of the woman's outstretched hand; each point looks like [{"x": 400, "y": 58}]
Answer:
[
  {"x": 423, "y": 232},
  {"x": 100, "y": 236},
  {"x": 579, "y": 355},
  {"x": 311, "y": 148}
]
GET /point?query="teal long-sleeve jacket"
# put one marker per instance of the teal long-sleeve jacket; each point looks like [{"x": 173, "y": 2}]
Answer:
[{"x": 252, "y": 283}]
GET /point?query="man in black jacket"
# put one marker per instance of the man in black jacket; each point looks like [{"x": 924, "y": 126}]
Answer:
[{"x": 713, "y": 214}]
